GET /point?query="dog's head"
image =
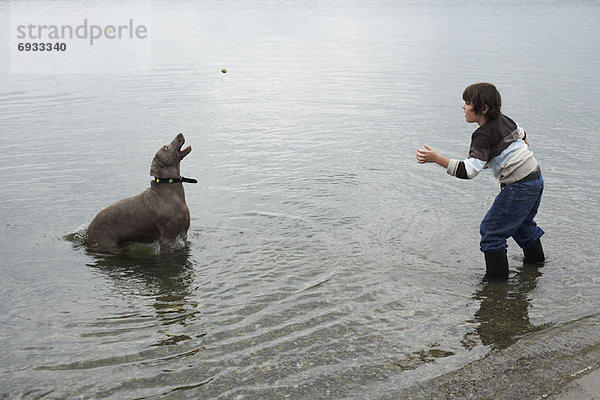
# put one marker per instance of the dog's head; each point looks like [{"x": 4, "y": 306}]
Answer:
[{"x": 165, "y": 163}]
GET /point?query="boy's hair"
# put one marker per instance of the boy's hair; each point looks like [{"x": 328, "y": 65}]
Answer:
[{"x": 480, "y": 94}]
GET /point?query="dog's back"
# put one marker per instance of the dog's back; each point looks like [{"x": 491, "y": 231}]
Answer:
[{"x": 127, "y": 220}]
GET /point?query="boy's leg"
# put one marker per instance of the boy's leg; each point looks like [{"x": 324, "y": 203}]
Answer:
[
  {"x": 493, "y": 228},
  {"x": 512, "y": 215},
  {"x": 496, "y": 266},
  {"x": 528, "y": 235},
  {"x": 529, "y": 232},
  {"x": 493, "y": 238},
  {"x": 511, "y": 208},
  {"x": 534, "y": 254}
]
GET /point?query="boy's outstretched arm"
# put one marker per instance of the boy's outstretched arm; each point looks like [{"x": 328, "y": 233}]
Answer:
[
  {"x": 466, "y": 169},
  {"x": 429, "y": 155}
]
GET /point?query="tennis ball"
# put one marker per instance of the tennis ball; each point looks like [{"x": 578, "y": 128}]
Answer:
[{"x": 224, "y": 70}]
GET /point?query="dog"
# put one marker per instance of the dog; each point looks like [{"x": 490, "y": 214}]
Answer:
[{"x": 160, "y": 213}]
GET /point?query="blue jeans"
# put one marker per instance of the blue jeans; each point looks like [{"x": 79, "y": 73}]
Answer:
[{"x": 512, "y": 215}]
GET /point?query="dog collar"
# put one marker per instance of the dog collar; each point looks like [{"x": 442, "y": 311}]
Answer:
[{"x": 175, "y": 180}]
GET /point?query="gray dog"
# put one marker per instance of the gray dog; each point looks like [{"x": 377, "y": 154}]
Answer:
[{"x": 159, "y": 213}]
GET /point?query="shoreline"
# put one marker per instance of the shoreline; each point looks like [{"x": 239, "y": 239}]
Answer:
[
  {"x": 585, "y": 386},
  {"x": 559, "y": 363}
]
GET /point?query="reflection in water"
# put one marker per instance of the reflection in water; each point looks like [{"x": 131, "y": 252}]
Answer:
[
  {"x": 165, "y": 278},
  {"x": 503, "y": 314}
]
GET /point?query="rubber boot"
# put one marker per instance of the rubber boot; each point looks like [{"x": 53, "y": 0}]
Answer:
[
  {"x": 534, "y": 254},
  {"x": 496, "y": 266}
]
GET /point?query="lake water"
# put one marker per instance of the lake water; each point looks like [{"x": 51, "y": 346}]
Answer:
[{"x": 323, "y": 261}]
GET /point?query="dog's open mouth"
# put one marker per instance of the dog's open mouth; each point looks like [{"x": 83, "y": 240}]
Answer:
[{"x": 184, "y": 152}]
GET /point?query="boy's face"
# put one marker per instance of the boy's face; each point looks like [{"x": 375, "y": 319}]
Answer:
[{"x": 472, "y": 116}]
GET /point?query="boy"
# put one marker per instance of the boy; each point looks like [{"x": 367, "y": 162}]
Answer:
[{"x": 499, "y": 144}]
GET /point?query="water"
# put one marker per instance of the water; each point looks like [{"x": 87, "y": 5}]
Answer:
[{"x": 323, "y": 261}]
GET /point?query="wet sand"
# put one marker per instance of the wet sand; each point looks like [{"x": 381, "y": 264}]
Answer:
[
  {"x": 553, "y": 363},
  {"x": 585, "y": 387}
]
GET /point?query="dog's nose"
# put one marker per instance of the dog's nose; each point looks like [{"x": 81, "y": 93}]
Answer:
[{"x": 180, "y": 136}]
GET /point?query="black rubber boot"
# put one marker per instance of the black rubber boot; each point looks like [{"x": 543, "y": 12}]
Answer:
[
  {"x": 534, "y": 254},
  {"x": 496, "y": 266}
]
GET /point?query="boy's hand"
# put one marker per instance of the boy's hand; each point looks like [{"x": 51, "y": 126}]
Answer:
[{"x": 427, "y": 155}]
